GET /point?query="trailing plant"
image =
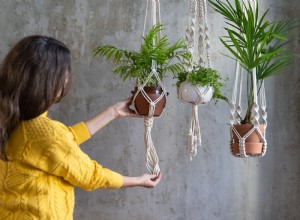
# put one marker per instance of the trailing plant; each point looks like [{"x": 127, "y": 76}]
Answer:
[
  {"x": 202, "y": 76},
  {"x": 255, "y": 42},
  {"x": 138, "y": 64}
]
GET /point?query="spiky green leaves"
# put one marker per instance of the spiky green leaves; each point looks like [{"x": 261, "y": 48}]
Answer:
[
  {"x": 253, "y": 40},
  {"x": 137, "y": 64}
]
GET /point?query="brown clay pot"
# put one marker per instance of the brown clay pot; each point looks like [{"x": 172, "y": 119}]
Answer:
[
  {"x": 142, "y": 105},
  {"x": 253, "y": 145}
]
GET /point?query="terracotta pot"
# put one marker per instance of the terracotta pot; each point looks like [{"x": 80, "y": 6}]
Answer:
[
  {"x": 142, "y": 105},
  {"x": 253, "y": 144},
  {"x": 188, "y": 93}
]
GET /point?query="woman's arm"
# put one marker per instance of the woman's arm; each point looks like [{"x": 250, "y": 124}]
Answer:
[
  {"x": 120, "y": 109},
  {"x": 146, "y": 180}
]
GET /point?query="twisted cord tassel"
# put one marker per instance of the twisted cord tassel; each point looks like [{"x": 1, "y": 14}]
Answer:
[
  {"x": 195, "y": 134},
  {"x": 151, "y": 155}
]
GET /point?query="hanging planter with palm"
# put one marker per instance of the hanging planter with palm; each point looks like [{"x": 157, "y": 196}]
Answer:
[
  {"x": 149, "y": 67},
  {"x": 258, "y": 45}
]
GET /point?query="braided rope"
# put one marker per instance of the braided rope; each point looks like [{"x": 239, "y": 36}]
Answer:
[
  {"x": 206, "y": 35},
  {"x": 204, "y": 41},
  {"x": 197, "y": 16},
  {"x": 151, "y": 154},
  {"x": 190, "y": 31},
  {"x": 201, "y": 41}
]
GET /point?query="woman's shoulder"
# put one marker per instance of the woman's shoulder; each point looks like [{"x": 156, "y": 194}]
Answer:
[
  {"x": 41, "y": 127},
  {"x": 35, "y": 135}
]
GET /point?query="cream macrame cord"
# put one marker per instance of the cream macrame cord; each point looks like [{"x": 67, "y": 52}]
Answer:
[
  {"x": 197, "y": 15},
  {"x": 151, "y": 154}
]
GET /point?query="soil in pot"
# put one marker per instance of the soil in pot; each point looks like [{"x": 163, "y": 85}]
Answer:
[
  {"x": 142, "y": 105},
  {"x": 253, "y": 144}
]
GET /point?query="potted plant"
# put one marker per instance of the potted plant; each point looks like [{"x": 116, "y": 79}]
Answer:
[
  {"x": 155, "y": 54},
  {"x": 259, "y": 46},
  {"x": 201, "y": 84},
  {"x": 198, "y": 85}
]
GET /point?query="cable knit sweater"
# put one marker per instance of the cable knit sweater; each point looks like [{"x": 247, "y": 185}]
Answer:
[{"x": 45, "y": 163}]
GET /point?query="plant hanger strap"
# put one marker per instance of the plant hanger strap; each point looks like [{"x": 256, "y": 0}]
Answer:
[
  {"x": 198, "y": 44},
  {"x": 195, "y": 131},
  {"x": 198, "y": 41},
  {"x": 152, "y": 12}
]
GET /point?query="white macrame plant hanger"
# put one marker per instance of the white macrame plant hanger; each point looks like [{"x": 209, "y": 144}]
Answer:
[
  {"x": 198, "y": 44},
  {"x": 258, "y": 109},
  {"x": 151, "y": 18}
]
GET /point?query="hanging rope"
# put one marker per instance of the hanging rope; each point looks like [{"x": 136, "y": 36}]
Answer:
[
  {"x": 195, "y": 131},
  {"x": 197, "y": 15},
  {"x": 235, "y": 111},
  {"x": 151, "y": 155}
]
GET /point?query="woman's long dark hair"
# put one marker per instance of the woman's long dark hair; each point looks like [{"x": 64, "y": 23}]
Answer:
[{"x": 34, "y": 75}]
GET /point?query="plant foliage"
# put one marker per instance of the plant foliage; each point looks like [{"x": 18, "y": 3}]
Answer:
[
  {"x": 138, "y": 64},
  {"x": 255, "y": 42},
  {"x": 201, "y": 76}
]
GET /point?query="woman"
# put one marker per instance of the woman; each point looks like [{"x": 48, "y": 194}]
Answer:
[{"x": 40, "y": 158}]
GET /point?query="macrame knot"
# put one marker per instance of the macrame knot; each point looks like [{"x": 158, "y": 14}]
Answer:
[
  {"x": 195, "y": 108},
  {"x": 242, "y": 142},
  {"x": 151, "y": 109},
  {"x": 148, "y": 123}
]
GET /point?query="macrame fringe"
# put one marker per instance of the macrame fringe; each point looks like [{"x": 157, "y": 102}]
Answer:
[{"x": 195, "y": 133}]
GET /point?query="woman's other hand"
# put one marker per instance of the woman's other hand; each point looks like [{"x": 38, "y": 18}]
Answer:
[{"x": 146, "y": 180}]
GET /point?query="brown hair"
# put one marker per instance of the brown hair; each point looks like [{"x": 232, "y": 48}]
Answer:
[{"x": 34, "y": 75}]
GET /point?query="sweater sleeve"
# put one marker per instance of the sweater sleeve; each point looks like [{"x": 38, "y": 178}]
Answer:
[
  {"x": 62, "y": 157},
  {"x": 80, "y": 132},
  {"x": 79, "y": 170}
]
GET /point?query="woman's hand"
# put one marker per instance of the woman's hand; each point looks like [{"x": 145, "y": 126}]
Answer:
[
  {"x": 122, "y": 109},
  {"x": 146, "y": 180}
]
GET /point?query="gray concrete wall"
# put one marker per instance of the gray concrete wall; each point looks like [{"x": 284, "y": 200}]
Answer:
[{"x": 215, "y": 185}]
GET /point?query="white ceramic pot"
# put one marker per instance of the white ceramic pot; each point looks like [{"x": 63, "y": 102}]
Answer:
[{"x": 189, "y": 93}]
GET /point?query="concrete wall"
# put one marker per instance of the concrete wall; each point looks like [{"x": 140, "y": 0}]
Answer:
[{"x": 215, "y": 185}]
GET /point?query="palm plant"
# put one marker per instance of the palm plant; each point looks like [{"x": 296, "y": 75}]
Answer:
[
  {"x": 154, "y": 51},
  {"x": 255, "y": 42}
]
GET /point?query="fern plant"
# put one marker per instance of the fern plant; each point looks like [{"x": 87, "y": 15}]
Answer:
[
  {"x": 202, "y": 76},
  {"x": 138, "y": 64},
  {"x": 255, "y": 42}
]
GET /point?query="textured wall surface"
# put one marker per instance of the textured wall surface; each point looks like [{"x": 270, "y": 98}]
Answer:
[{"x": 215, "y": 185}]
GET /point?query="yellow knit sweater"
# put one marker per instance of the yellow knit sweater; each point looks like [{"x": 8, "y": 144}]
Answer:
[{"x": 45, "y": 163}]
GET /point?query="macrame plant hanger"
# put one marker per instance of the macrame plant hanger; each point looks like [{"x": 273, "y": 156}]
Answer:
[
  {"x": 236, "y": 107},
  {"x": 199, "y": 46},
  {"x": 152, "y": 17}
]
